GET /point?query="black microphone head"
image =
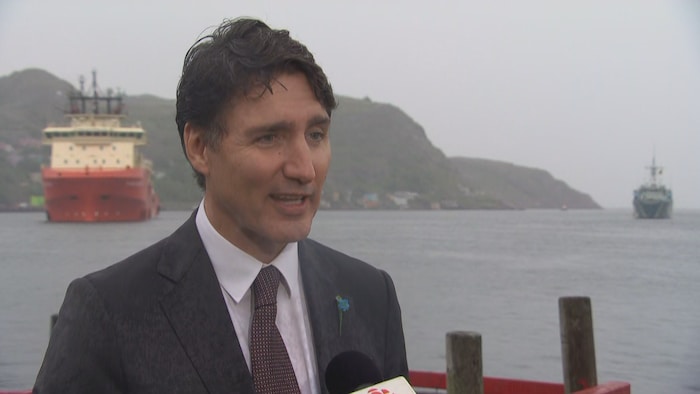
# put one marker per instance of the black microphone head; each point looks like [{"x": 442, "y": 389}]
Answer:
[{"x": 350, "y": 371}]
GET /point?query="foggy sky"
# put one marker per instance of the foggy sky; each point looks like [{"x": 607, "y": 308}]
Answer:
[{"x": 587, "y": 90}]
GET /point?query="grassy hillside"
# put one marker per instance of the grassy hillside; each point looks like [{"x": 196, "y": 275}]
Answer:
[
  {"x": 29, "y": 100},
  {"x": 378, "y": 148},
  {"x": 519, "y": 187}
]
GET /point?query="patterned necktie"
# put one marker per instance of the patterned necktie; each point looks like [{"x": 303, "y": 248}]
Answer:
[{"x": 272, "y": 369}]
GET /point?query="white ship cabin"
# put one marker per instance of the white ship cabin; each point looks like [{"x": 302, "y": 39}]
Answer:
[{"x": 94, "y": 141}]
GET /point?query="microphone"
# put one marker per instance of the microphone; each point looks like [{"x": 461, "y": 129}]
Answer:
[
  {"x": 353, "y": 372},
  {"x": 349, "y": 371}
]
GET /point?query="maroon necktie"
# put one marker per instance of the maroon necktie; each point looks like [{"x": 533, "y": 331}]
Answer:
[{"x": 272, "y": 369}]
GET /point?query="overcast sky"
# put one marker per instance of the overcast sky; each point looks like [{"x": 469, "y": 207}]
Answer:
[{"x": 587, "y": 90}]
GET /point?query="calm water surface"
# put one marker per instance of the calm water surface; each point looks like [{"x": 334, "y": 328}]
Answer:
[{"x": 498, "y": 273}]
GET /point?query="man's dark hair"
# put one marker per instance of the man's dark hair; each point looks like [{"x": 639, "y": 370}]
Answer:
[{"x": 239, "y": 55}]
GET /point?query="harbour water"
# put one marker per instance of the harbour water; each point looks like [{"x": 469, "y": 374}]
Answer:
[{"x": 499, "y": 273}]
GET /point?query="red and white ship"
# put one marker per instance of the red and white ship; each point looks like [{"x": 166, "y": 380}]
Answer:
[{"x": 96, "y": 172}]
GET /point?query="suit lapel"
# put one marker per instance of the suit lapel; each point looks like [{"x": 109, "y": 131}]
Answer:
[
  {"x": 320, "y": 289},
  {"x": 197, "y": 312}
]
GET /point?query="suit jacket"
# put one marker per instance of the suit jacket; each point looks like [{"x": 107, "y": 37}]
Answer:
[{"x": 157, "y": 322}]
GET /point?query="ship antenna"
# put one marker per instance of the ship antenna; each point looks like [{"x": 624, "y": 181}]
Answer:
[
  {"x": 109, "y": 101},
  {"x": 82, "y": 94},
  {"x": 654, "y": 170},
  {"x": 96, "y": 108}
]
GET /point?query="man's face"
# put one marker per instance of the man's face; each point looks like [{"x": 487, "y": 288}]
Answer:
[{"x": 264, "y": 182}]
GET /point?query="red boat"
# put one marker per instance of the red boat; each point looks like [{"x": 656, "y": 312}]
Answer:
[{"x": 96, "y": 172}]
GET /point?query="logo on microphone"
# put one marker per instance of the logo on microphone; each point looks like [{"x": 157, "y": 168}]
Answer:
[
  {"x": 398, "y": 385},
  {"x": 379, "y": 391}
]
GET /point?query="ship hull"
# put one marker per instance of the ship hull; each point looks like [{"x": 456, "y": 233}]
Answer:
[
  {"x": 652, "y": 208},
  {"x": 87, "y": 195}
]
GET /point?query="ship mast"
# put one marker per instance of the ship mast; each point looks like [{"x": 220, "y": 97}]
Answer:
[
  {"x": 96, "y": 98},
  {"x": 654, "y": 170},
  {"x": 82, "y": 97}
]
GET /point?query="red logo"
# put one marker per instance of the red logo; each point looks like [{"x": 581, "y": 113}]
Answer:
[{"x": 374, "y": 390}]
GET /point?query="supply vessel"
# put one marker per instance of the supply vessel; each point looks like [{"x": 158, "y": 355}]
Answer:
[{"x": 96, "y": 172}]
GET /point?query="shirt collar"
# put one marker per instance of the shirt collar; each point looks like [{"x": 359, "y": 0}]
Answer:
[{"x": 235, "y": 269}]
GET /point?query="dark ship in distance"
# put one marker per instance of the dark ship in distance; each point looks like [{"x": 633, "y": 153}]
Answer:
[{"x": 653, "y": 200}]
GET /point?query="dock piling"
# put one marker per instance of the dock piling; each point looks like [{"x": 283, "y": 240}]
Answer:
[
  {"x": 577, "y": 344},
  {"x": 464, "y": 363}
]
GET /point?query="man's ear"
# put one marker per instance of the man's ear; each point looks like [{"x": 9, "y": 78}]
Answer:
[{"x": 196, "y": 148}]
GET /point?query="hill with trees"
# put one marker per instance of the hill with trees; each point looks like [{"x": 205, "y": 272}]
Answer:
[{"x": 381, "y": 157}]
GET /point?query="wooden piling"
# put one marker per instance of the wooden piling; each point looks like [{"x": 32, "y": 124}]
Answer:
[
  {"x": 464, "y": 363},
  {"x": 577, "y": 344}
]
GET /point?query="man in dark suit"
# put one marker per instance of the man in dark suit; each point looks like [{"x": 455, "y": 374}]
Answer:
[{"x": 253, "y": 114}]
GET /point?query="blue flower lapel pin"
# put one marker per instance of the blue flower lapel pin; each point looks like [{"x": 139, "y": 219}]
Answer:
[{"x": 343, "y": 306}]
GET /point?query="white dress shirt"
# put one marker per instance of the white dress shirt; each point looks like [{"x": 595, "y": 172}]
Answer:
[{"x": 236, "y": 271}]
